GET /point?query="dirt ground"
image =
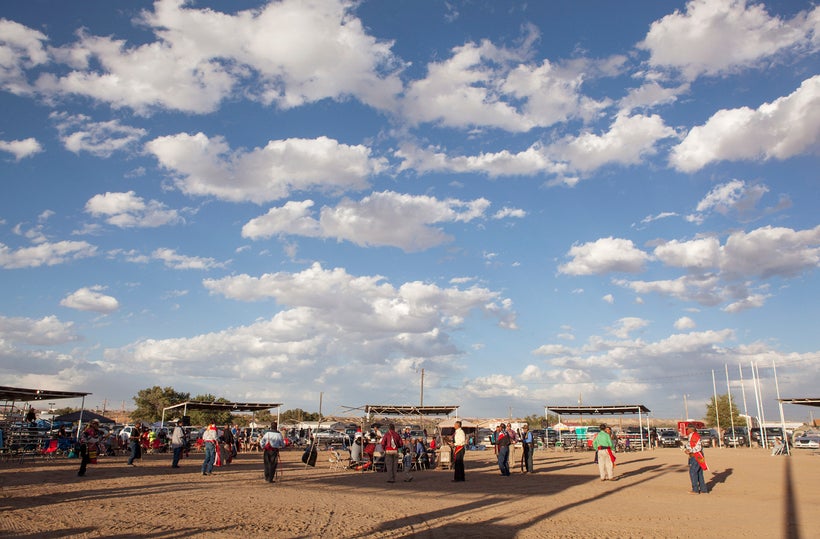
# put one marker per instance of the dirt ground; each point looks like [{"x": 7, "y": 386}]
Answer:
[{"x": 753, "y": 494}]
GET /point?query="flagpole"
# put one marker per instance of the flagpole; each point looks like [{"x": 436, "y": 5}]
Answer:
[
  {"x": 729, "y": 392},
  {"x": 714, "y": 389}
]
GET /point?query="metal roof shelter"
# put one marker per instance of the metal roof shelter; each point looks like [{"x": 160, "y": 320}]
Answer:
[
  {"x": 803, "y": 401},
  {"x": 610, "y": 409},
  {"x": 20, "y": 394},
  {"x": 214, "y": 405},
  {"x": 385, "y": 409}
]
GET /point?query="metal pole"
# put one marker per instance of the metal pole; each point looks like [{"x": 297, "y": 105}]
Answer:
[
  {"x": 780, "y": 404},
  {"x": 743, "y": 392},
  {"x": 729, "y": 392},
  {"x": 762, "y": 410},
  {"x": 714, "y": 390}
]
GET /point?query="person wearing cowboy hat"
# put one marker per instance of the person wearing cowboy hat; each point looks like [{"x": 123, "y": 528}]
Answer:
[{"x": 89, "y": 438}]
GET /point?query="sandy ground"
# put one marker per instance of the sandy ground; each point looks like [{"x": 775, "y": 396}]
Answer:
[{"x": 753, "y": 494}]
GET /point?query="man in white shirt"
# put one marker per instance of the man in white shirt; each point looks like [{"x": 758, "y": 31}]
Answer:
[
  {"x": 271, "y": 443},
  {"x": 459, "y": 440},
  {"x": 177, "y": 443},
  {"x": 210, "y": 438}
]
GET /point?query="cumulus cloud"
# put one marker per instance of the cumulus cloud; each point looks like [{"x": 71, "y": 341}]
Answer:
[
  {"x": 174, "y": 260},
  {"x": 684, "y": 323},
  {"x": 627, "y": 325},
  {"x": 604, "y": 256},
  {"x": 712, "y": 37},
  {"x": 207, "y": 167},
  {"x": 781, "y": 129},
  {"x": 287, "y": 53},
  {"x": 45, "y": 331},
  {"x": 628, "y": 141},
  {"x": 127, "y": 210},
  {"x": 21, "y": 149},
  {"x": 331, "y": 315},
  {"x": 381, "y": 219},
  {"x": 726, "y": 273},
  {"x": 79, "y": 133},
  {"x": 91, "y": 299},
  {"x": 21, "y": 49},
  {"x": 45, "y": 254}
]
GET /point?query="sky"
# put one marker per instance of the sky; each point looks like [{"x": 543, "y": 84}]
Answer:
[{"x": 496, "y": 205}]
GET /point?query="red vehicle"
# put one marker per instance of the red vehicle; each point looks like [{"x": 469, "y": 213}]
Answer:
[{"x": 683, "y": 425}]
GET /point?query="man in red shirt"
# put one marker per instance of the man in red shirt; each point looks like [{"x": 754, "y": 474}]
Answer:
[{"x": 391, "y": 442}]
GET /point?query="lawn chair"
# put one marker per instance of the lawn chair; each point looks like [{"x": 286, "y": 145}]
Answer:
[
  {"x": 337, "y": 461},
  {"x": 51, "y": 450}
]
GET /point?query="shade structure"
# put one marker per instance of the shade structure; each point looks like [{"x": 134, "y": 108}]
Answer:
[
  {"x": 26, "y": 395},
  {"x": 85, "y": 416},
  {"x": 805, "y": 401}
]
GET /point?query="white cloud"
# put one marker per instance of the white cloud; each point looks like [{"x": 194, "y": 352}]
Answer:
[
  {"x": 625, "y": 326},
  {"x": 771, "y": 251},
  {"x": 608, "y": 298},
  {"x": 334, "y": 319},
  {"x": 700, "y": 254},
  {"x": 21, "y": 48},
  {"x": 46, "y": 331},
  {"x": 381, "y": 219},
  {"x": 127, "y": 210},
  {"x": 715, "y": 36},
  {"x": 510, "y": 212},
  {"x": 45, "y": 254},
  {"x": 603, "y": 256},
  {"x": 177, "y": 261},
  {"x": 21, "y": 149},
  {"x": 684, "y": 323},
  {"x": 288, "y": 53},
  {"x": 784, "y": 128},
  {"x": 629, "y": 140},
  {"x": 206, "y": 166},
  {"x": 79, "y": 134},
  {"x": 91, "y": 299}
]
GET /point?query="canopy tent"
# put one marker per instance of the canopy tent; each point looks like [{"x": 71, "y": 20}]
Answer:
[
  {"x": 73, "y": 417},
  {"x": 618, "y": 409},
  {"x": 223, "y": 406}
]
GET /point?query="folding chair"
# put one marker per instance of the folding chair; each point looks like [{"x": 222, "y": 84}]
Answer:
[
  {"x": 52, "y": 449},
  {"x": 337, "y": 462}
]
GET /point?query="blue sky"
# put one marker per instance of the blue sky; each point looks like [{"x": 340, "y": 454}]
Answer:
[{"x": 534, "y": 203}]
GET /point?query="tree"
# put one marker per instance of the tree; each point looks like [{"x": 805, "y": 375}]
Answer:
[
  {"x": 151, "y": 401},
  {"x": 723, "y": 412},
  {"x": 535, "y": 421},
  {"x": 206, "y": 417},
  {"x": 298, "y": 414}
]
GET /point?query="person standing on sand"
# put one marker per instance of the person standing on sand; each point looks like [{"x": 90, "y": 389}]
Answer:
[
  {"x": 271, "y": 443},
  {"x": 503, "y": 443},
  {"x": 602, "y": 443},
  {"x": 391, "y": 442},
  {"x": 89, "y": 439},
  {"x": 134, "y": 443},
  {"x": 697, "y": 463},
  {"x": 459, "y": 440},
  {"x": 527, "y": 443},
  {"x": 177, "y": 443},
  {"x": 209, "y": 438}
]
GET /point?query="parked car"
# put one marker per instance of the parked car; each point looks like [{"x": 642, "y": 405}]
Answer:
[
  {"x": 708, "y": 437},
  {"x": 771, "y": 434},
  {"x": 736, "y": 437},
  {"x": 808, "y": 440},
  {"x": 668, "y": 438},
  {"x": 329, "y": 437}
]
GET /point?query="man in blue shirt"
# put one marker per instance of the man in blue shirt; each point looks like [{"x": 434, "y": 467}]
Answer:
[{"x": 527, "y": 442}]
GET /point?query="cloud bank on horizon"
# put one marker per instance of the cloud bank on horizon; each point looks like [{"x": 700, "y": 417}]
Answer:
[{"x": 295, "y": 197}]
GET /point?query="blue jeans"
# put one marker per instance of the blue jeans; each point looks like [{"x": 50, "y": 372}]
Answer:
[
  {"x": 177, "y": 455},
  {"x": 696, "y": 476},
  {"x": 210, "y": 457},
  {"x": 136, "y": 451},
  {"x": 528, "y": 457},
  {"x": 504, "y": 459}
]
